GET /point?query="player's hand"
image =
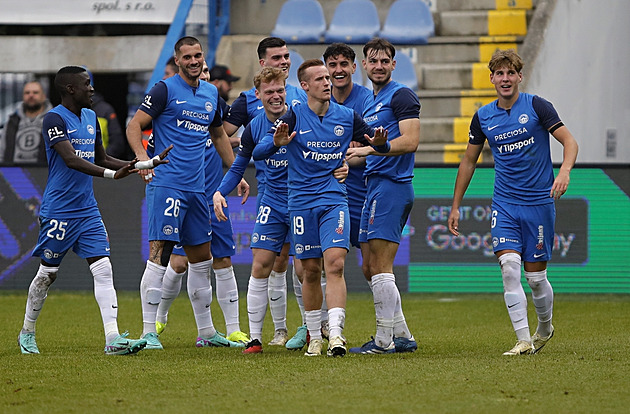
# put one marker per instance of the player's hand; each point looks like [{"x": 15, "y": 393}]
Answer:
[
  {"x": 359, "y": 152},
  {"x": 281, "y": 135},
  {"x": 243, "y": 190},
  {"x": 126, "y": 170},
  {"x": 163, "y": 155},
  {"x": 219, "y": 203},
  {"x": 380, "y": 137},
  {"x": 341, "y": 173},
  {"x": 560, "y": 185},
  {"x": 453, "y": 221}
]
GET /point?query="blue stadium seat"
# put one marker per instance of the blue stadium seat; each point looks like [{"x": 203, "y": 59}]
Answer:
[
  {"x": 354, "y": 21},
  {"x": 405, "y": 71},
  {"x": 408, "y": 22},
  {"x": 296, "y": 61},
  {"x": 300, "y": 21}
]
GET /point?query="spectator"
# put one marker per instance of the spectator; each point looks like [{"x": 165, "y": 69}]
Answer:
[
  {"x": 222, "y": 78},
  {"x": 21, "y": 140}
]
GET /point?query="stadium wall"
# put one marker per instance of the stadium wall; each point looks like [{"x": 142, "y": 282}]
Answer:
[
  {"x": 592, "y": 234},
  {"x": 578, "y": 63}
]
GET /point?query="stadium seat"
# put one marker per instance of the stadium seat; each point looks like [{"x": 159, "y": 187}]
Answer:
[
  {"x": 408, "y": 22},
  {"x": 300, "y": 21},
  {"x": 296, "y": 61},
  {"x": 405, "y": 71},
  {"x": 354, "y": 21}
]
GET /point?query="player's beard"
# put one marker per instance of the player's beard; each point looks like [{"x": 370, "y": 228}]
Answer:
[
  {"x": 381, "y": 83},
  {"x": 187, "y": 74}
]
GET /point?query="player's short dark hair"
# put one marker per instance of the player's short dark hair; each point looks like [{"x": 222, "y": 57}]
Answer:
[
  {"x": 269, "y": 74},
  {"x": 342, "y": 49},
  {"x": 65, "y": 76},
  {"x": 505, "y": 58},
  {"x": 377, "y": 44},
  {"x": 269, "y": 42},
  {"x": 186, "y": 40},
  {"x": 305, "y": 65}
]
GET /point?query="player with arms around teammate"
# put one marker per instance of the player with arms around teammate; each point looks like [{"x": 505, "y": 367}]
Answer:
[
  {"x": 389, "y": 196},
  {"x": 317, "y": 136},
  {"x": 183, "y": 111},
  {"x": 517, "y": 126},
  {"x": 69, "y": 215}
]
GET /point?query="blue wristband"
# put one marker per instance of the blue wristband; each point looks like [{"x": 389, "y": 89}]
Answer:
[{"x": 383, "y": 149}]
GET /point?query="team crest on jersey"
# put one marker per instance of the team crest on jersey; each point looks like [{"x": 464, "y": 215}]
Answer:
[
  {"x": 168, "y": 230},
  {"x": 90, "y": 129},
  {"x": 209, "y": 106},
  {"x": 299, "y": 249},
  {"x": 255, "y": 238},
  {"x": 339, "y": 130},
  {"x": 523, "y": 118}
]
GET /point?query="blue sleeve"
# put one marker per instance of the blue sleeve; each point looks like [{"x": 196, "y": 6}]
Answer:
[
  {"x": 247, "y": 143},
  {"x": 266, "y": 147},
  {"x": 155, "y": 101},
  {"x": 546, "y": 112},
  {"x": 54, "y": 128},
  {"x": 217, "y": 121},
  {"x": 475, "y": 134},
  {"x": 234, "y": 175},
  {"x": 405, "y": 104},
  {"x": 237, "y": 113},
  {"x": 224, "y": 107}
]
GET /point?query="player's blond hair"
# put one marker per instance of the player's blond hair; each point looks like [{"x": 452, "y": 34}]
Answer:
[
  {"x": 505, "y": 58},
  {"x": 268, "y": 75}
]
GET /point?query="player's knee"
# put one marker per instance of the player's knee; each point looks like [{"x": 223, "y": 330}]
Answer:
[
  {"x": 510, "y": 270},
  {"x": 534, "y": 279}
]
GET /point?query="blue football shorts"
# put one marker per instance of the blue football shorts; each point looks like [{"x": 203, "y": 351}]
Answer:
[
  {"x": 271, "y": 230},
  {"x": 179, "y": 216},
  {"x": 87, "y": 237},
  {"x": 320, "y": 228},
  {"x": 525, "y": 229},
  {"x": 387, "y": 207}
]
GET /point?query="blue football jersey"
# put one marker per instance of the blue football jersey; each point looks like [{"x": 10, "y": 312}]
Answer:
[
  {"x": 246, "y": 107},
  {"x": 519, "y": 140},
  {"x": 69, "y": 193},
  {"x": 394, "y": 103},
  {"x": 318, "y": 148},
  {"x": 181, "y": 116}
]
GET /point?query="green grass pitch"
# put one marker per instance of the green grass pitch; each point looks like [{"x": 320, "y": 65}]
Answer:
[{"x": 457, "y": 368}]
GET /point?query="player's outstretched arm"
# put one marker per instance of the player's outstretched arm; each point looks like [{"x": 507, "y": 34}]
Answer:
[{"x": 69, "y": 157}]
